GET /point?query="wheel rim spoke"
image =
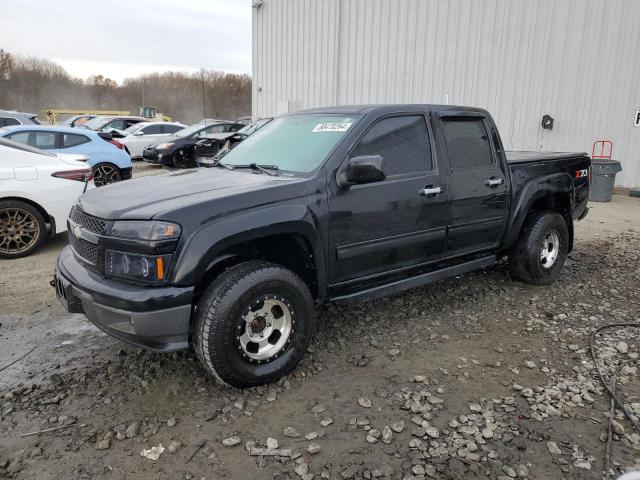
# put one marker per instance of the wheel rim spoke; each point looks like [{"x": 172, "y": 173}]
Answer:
[
  {"x": 19, "y": 230},
  {"x": 265, "y": 329}
]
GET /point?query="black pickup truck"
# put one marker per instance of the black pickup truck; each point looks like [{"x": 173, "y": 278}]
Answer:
[{"x": 325, "y": 205}]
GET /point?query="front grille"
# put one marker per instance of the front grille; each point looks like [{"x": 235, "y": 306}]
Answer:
[
  {"x": 85, "y": 250},
  {"x": 86, "y": 221}
]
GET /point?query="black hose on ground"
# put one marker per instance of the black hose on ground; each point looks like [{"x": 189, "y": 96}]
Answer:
[{"x": 611, "y": 389}]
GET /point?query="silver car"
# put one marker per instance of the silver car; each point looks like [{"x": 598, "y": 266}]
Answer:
[{"x": 138, "y": 136}]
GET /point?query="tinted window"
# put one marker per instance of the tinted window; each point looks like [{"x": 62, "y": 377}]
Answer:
[
  {"x": 233, "y": 127},
  {"x": 22, "y": 137},
  {"x": 118, "y": 124},
  {"x": 43, "y": 140},
  {"x": 467, "y": 142},
  {"x": 403, "y": 143},
  {"x": 171, "y": 128},
  {"x": 152, "y": 129},
  {"x": 72, "y": 139},
  {"x": 6, "y": 121}
]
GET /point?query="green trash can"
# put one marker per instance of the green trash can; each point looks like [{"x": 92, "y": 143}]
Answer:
[{"x": 603, "y": 178}]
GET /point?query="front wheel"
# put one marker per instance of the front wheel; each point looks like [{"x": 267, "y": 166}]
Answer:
[
  {"x": 253, "y": 324},
  {"x": 106, "y": 173},
  {"x": 541, "y": 249}
]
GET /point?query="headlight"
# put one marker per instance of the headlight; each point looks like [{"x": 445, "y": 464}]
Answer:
[
  {"x": 162, "y": 146},
  {"x": 145, "y": 268},
  {"x": 145, "y": 230}
]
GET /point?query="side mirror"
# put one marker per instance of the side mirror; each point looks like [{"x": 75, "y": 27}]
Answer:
[
  {"x": 139, "y": 133},
  {"x": 362, "y": 169}
]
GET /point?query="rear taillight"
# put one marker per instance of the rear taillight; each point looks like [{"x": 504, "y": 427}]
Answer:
[
  {"x": 117, "y": 144},
  {"x": 82, "y": 175}
]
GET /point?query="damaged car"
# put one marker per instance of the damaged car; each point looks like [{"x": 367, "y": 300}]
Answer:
[
  {"x": 178, "y": 150},
  {"x": 209, "y": 151}
]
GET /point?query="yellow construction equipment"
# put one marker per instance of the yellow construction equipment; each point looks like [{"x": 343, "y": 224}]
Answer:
[
  {"x": 147, "y": 112},
  {"x": 52, "y": 113}
]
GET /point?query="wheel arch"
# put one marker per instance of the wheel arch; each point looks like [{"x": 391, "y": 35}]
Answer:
[
  {"x": 284, "y": 235},
  {"x": 553, "y": 192},
  {"x": 49, "y": 220}
]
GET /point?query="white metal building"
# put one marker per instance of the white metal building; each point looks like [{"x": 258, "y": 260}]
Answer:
[{"x": 576, "y": 60}]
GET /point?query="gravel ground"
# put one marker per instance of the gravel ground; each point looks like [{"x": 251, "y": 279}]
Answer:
[{"x": 475, "y": 377}]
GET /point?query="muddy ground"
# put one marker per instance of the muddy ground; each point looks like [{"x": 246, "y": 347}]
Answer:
[{"x": 475, "y": 377}]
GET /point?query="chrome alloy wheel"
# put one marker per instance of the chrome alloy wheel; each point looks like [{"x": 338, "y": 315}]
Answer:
[
  {"x": 104, "y": 174},
  {"x": 265, "y": 329},
  {"x": 19, "y": 231},
  {"x": 550, "y": 249}
]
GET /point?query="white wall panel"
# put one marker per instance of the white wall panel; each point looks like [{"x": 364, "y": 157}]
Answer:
[{"x": 577, "y": 60}]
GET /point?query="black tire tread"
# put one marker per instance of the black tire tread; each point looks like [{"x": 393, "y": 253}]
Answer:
[
  {"x": 224, "y": 290},
  {"x": 534, "y": 227}
]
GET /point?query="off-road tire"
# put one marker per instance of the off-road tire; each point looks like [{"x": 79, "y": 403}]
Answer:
[
  {"x": 220, "y": 309},
  {"x": 38, "y": 220},
  {"x": 524, "y": 260}
]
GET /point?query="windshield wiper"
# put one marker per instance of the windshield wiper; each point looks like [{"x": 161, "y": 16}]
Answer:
[
  {"x": 254, "y": 166},
  {"x": 220, "y": 164}
]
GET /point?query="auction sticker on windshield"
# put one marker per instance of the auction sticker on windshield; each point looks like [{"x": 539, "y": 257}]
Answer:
[{"x": 332, "y": 127}]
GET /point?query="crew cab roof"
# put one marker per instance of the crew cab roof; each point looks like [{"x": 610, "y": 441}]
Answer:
[{"x": 389, "y": 108}]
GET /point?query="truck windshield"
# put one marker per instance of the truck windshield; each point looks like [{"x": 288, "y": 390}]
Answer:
[{"x": 297, "y": 143}]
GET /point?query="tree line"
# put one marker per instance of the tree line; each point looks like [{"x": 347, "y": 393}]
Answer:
[{"x": 31, "y": 84}]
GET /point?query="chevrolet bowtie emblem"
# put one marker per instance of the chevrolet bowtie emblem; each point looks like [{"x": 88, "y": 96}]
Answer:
[{"x": 77, "y": 231}]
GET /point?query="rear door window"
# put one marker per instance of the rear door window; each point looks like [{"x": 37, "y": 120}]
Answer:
[
  {"x": 152, "y": 130},
  {"x": 468, "y": 142},
  {"x": 171, "y": 128},
  {"x": 44, "y": 140}
]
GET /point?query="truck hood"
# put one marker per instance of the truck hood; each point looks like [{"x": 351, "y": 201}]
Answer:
[{"x": 152, "y": 196}]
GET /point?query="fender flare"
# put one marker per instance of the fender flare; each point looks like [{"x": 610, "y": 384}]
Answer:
[
  {"x": 205, "y": 248},
  {"x": 530, "y": 193}
]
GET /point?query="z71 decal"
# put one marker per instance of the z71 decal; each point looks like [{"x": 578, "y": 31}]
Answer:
[{"x": 582, "y": 173}]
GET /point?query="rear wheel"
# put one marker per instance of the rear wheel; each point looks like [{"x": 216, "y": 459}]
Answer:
[
  {"x": 253, "y": 324},
  {"x": 541, "y": 250},
  {"x": 106, "y": 173},
  {"x": 22, "y": 229}
]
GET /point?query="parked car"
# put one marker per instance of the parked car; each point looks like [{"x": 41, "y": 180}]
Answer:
[
  {"x": 209, "y": 151},
  {"x": 8, "y": 118},
  {"x": 177, "y": 150},
  {"x": 106, "y": 124},
  {"x": 107, "y": 158},
  {"x": 328, "y": 205},
  {"x": 77, "y": 120},
  {"x": 138, "y": 136},
  {"x": 37, "y": 191}
]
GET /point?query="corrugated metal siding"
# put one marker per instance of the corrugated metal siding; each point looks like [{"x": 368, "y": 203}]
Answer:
[{"x": 577, "y": 60}]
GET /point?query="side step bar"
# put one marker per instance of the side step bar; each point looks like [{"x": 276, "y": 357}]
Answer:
[{"x": 417, "y": 281}]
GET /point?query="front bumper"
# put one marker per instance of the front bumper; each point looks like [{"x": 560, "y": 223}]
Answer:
[
  {"x": 157, "y": 157},
  {"x": 156, "y": 318}
]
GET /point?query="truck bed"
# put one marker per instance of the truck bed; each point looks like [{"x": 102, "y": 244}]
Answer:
[{"x": 525, "y": 157}]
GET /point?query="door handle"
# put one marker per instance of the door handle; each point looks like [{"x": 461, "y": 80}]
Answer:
[
  {"x": 493, "y": 182},
  {"x": 431, "y": 191}
]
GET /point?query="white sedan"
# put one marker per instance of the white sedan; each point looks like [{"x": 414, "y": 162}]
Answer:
[
  {"x": 37, "y": 191},
  {"x": 142, "y": 134}
]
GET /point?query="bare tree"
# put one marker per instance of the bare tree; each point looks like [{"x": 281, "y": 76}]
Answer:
[{"x": 33, "y": 84}]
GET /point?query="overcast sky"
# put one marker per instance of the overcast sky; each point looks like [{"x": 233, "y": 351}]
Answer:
[{"x": 120, "y": 39}]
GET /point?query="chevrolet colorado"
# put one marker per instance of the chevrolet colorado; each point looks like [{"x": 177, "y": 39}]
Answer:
[{"x": 324, "y": 205}]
